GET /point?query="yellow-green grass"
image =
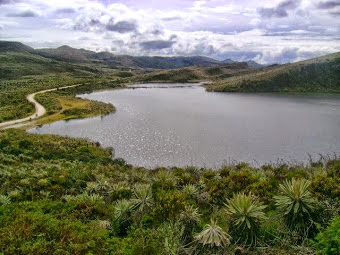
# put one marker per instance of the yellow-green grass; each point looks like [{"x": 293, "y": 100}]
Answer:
[{"x": 75, "y": 108}]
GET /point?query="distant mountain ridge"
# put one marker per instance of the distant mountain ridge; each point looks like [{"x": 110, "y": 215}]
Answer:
[{"x": 72, "y": 55}]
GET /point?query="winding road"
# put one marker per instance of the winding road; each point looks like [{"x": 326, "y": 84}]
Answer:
[{"x": 39, "y": 109}]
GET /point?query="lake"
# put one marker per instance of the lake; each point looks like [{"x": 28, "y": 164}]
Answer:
[{"x": 171, "y": 125}]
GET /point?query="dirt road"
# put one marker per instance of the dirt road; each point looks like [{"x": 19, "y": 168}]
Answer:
[{"x": 39, "y": 109}]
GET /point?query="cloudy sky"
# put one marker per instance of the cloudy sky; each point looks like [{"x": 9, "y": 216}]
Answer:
[{"x": 267, "y": 31}]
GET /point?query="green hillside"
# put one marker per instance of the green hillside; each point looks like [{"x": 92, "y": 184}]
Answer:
[
  {"x": 190, "y": 74},
  {"x": 17, "y": 64},
  {"x": 315, "y": 75}
]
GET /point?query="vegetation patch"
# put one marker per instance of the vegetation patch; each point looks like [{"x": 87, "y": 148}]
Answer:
[{"x": 69, "y": 195}]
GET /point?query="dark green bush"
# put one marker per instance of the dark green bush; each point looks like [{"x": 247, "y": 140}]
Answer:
[{"x": 327, "y": 242}]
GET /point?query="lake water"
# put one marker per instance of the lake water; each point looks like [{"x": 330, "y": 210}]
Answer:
[{"x": 171, "y": 125}]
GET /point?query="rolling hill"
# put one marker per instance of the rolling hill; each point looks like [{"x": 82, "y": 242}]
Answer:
[
  {"x": 320, "y": 74},
  {"x": 17, "y": 60},
  {"x": 196, "y": 73}
]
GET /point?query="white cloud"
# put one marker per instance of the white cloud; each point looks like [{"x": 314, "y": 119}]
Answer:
[{"x": 219, "y": 29}]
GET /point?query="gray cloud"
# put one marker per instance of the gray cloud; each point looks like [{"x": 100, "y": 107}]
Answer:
[
  {"x": 335, "y": 13},
  {"x": 157, "y": 32},
  {"x": 156, "y": 44},
  {"x": 240, "y": 55},
  {"x": 171, "y": 18},
  {"x": 279, "y": 11},
  {"x": 122, "y": 27},
  {"x": 8, "y": 1},
  {"x": 328, "y": 4},
  {"x": 173, "y": 37},
  {"x": 23, "y": 14},
  {"x": 66, "y": 10}
]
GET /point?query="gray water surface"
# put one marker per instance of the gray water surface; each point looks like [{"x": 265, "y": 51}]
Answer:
[{"x": 179, "y": 126}]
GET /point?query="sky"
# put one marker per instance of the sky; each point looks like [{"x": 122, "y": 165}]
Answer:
[{"x": 266, "y": 31}]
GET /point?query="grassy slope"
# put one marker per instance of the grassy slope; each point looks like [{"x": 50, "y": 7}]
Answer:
[
  {"x": 190, "y": 74},
  {"x": 315, "y": 75},
  {"x": 18, "y": 64}
]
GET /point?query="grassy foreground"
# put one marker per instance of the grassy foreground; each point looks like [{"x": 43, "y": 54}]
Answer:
[{"x": 68, "y": 196}]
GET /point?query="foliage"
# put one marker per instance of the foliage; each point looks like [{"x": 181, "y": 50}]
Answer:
[
  {"x": 143, "y": 200},
  {"x": 122, "y": 210},
  {"x": 328, "y": 240},
  {"x": 69, "y": 195},
  {"x": 296, "y": 203},
  {"x": 213, "y": 235},
  {"x": 245, "y": 215}
]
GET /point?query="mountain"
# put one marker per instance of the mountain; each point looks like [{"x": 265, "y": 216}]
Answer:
[
  {"x": 67, "y": 54},
  {"x": 254, "y": 64},
  {"x": 251, "y": 63},
  {"x": 227, "y": 61},
  {"x": 6, "y": 46},
  {"x": 17, "y": 60},
  {"x": 320, "y": 74},
  {"x": 72, "y": 55}
]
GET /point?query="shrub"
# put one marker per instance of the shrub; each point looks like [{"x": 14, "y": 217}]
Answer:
[
  {"x": 328, "y": 241},
  {"x": 143, "y": 198},
  {"x": 164, "y": 180},
  {"x": 239, "y": 181},
  {"x": 245, "y": 215},
  {"x": 24, "y": 144},
  {"x": 122, "y": 210},
  {"x": 43, "y": 228},
  {"x": 296, "y": 203},
  {"x": 169, "y": 205},
  {"x": 324, "y": 186},
  {"x": 263, "y": 189},
  {"x": 333, "y": 167},
  {"x": 212, "y": 235},
  {"x": 4, "y": 200}
]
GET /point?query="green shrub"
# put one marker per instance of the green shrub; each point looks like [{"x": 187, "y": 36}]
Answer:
[
  {"x": 245, "y": 215},
  {"x": 325, "y": 186},
  {"x": 333, "y": 168},
  {"x": 36, "y": 228},
  {"x": 296, "y": 203},
  {"x": 169, "y": 205},
  {"x": 327, "y": 242},
  {"x": 213, "y": 235},
  {"x": 239, "y": 181}
]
